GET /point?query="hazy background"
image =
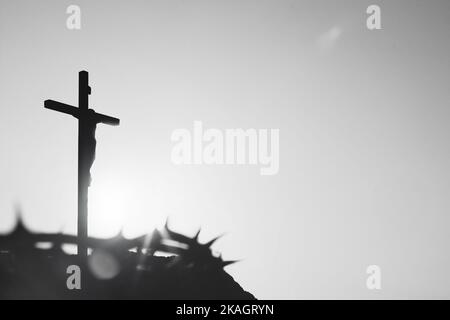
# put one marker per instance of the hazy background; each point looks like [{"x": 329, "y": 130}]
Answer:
[{"x": 363, "y": 118}]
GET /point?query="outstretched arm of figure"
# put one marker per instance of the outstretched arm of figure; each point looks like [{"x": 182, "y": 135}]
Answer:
[
  {"x": 61, "y": 107},
  {"x": 101, "y": 118}
]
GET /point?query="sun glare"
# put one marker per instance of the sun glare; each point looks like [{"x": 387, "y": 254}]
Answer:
[{"x": 116, "y": 206}]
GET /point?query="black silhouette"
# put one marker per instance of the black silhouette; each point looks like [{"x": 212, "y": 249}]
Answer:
[
  {"x": 192, "y": 272},
  {"x": 87, "y": 123}
]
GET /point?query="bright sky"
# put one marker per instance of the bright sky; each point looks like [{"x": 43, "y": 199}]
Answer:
[{"x": 363, "y": 118}]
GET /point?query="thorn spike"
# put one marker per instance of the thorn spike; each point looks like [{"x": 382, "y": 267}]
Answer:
[
  {"x": 166, "y": 224},
  {"x": 210, "y": 242},
  {"x": 227, "y": 263}
]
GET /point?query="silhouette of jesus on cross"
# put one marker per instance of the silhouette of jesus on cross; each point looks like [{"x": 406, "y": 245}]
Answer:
[{"x": 87, "y": 123}]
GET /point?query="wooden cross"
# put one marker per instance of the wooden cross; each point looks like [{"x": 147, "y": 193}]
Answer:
[{"x": 87, "y": 123}]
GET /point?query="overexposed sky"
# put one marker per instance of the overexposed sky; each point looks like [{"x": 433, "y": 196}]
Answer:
[{"x": 363, "y": 118}]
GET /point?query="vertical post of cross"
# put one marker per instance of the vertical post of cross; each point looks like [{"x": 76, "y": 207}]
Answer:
[{"x": 83, "y": 167}]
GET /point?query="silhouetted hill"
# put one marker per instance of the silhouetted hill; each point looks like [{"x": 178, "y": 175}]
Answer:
[
  {"x": 118, "y": 268},
  {"x": 42, "y": 276}
]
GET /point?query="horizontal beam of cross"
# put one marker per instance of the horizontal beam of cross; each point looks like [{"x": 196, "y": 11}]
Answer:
[{"x": 74, "y": 111}]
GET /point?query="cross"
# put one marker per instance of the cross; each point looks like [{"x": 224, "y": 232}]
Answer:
[{"x": 87, "y": 123}]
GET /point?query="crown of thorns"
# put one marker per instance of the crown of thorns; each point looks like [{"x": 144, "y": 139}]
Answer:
[{"x": 189, "y": 251}]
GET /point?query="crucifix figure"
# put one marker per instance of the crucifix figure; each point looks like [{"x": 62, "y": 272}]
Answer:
[{"x": 87, "y": 123}]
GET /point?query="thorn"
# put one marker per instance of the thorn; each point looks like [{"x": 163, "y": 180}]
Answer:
[
  {"x": 197, "y": 234},
  {"x": 227, "y": 263},
  {"x": 18, "y": 211},
  {"x": 119, "y": 234},
  {"x": 166, "y": 224},
  {"x": 210, "y": 242},
  {"x": 20, "y": 225},
  {"x": 153, "y": 240}
]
